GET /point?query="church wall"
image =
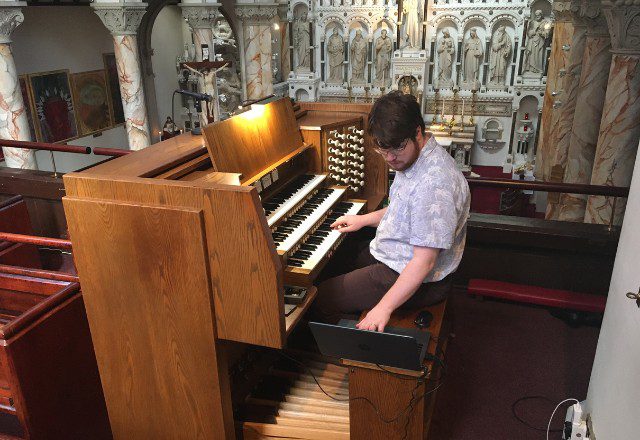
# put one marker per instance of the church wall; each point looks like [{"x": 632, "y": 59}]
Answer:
[
  {"x": 170, "y": 34},
  {"x": 74, "y": 38}
]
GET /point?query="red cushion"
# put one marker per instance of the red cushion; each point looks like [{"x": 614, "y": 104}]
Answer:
[{"x": 538, "y": 295}]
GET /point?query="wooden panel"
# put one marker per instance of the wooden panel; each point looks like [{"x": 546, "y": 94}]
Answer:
[
  {"x": 245, "y": 270},
  {"x": 251, "y": 141},
  {"x": 391, "y": 394},
  {"x": 151, "y": 316},
  {"x": 155, "y": 159},
  {"x": 56, "y": 390},
  {"x": 376, "y": 180}
]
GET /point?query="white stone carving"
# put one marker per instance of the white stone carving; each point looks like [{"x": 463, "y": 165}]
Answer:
[
  {"x": 446, "y": 55},
  {"x": 255, "y": 13},
  {"x": 472, "y": 59},
  {"x": 358, "y": 53},
  {"x": 301, "y": 42},
  {"x": 335, "y": 56},
  {"x": 200, "y": 16},
  {"x": 412, "y": 28},
  {"x": 384, "y": 47},
  {"x": 535, "y": 45},
  {"x": 500, "y": 57},
  {"x": 121, "y": 19},
  {"x": 10, "y": 19}
]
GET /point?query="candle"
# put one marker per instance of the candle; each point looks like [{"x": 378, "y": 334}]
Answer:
[
  {"x": 463, "y": 112},
  {"x": 443, "y": 108}
]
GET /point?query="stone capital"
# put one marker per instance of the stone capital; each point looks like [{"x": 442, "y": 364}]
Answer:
[
  {"x": 121, "y": 18},
  {"x": 624, "y": 26},
  {"x": 564, "y": 11},
  {"x": 10, "y": 18},
  {"x": 200, "y": 15},
  {"x": 256, "y": 13}
]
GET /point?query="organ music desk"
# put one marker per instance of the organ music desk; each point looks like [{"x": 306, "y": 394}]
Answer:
[{"x": 196, "y": 238}]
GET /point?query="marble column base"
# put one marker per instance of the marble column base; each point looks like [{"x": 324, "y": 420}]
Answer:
[
  {"x": 618, "y": 138},
  {"x": 132, "y": 91},
  {"x": 14, "y": 124},
  {"x": 258, "y": 61},
  {"x": 586, "y": 124}
]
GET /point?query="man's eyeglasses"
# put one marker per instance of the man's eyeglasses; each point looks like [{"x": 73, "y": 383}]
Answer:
[{"x": 392, "y": 151}]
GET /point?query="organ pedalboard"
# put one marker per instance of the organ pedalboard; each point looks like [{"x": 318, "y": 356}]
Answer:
[{"x": 345, "y": 157}]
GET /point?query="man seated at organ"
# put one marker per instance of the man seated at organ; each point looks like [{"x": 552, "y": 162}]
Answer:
[{"x": 420, "y": 235}]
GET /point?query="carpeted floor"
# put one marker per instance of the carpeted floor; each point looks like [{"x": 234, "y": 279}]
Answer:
[{"x": 502, "y": 352}]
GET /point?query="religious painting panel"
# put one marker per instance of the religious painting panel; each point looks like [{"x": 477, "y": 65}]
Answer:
[
  {"x": 113, "y": 87},
  {"x": 54, "y": 105},
  {"x": 26, "y": 98},
  {"x": 92, "y": 101}
]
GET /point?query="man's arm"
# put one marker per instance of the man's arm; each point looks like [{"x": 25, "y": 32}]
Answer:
[
  {"x": 351, "y": 223},
  {"x": 410, "y": 279}
]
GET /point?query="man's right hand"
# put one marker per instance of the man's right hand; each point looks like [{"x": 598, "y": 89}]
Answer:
[{"x": 348, "y": 223}]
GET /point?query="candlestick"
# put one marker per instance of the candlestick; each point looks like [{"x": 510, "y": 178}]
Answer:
[{"x": 462, "y": 121}]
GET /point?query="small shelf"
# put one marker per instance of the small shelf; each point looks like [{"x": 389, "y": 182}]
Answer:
[{"x": 292, "y": 320}]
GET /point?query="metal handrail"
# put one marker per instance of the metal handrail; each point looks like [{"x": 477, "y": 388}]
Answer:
[
  {"x": 44, "y": 146},
  {"x": 115, "y": 152}
]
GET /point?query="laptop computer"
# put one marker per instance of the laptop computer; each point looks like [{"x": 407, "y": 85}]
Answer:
[{"x": 396, "y": 347}]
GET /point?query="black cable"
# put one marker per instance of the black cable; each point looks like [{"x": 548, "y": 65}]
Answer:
[
  {"x": 524, "y": 422},
  {"x": 173, "y": 118}
]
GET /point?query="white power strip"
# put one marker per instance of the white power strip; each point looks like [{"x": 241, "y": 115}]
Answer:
[{"x": 575, "y": 422}]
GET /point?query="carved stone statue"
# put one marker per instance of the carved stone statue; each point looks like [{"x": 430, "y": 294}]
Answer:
[
  {"x": 384, "y": 47},
  {"x": 500, "y": 57},
  {"x": 473, "y": 53},
  {"x": 446, "y": 51},
  {"x": 358, "y": 53},
  {"x": 534, "y": 50},
  {"x": 335, "y": 50},
  {"x": 412, "y": 28},
  {"x": 301, "y": 42}
]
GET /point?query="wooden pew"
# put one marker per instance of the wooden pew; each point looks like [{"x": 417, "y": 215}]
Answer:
[
  {"x": 49, "y": 378},
  {"x": 14, "y": 218}
]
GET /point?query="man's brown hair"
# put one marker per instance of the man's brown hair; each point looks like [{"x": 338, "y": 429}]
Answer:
[{"x": 394, "y": 118}]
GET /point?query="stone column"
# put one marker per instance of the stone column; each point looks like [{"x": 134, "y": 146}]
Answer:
[
  {"x": 558, "y": 64},
  {"x": 564, "y": 112},
  {"x": 586, "y": 122},
  {"x": 123, "y": 20},
  {"x": 285, "y": 57},
  {"x": 256, "y": 25},
  {"x": 14, "y": 124},
  {"x": 620, "y": 125}
]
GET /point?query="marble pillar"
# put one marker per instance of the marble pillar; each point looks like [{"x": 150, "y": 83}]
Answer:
[
  {"x": 586, "y": 122},
  {"x": 556, "y": 72},
  {"x": 563, "y": 114},
  {"x": 14, "y": 124},
  {"x": 620, "y": 124},
  {"x": 256, "y": 22},
  {"x": 123, "y": 21},
  {"x": 285, "y": 58}
]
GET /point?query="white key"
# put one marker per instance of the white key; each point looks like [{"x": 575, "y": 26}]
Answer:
[
  {"x": 295, "y": 199},
  {"x": 311, "y": 220},
  {"x": 328, "y": 241}
]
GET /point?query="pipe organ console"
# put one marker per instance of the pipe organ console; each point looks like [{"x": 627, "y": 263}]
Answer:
[{"x": 213, "y": 242}]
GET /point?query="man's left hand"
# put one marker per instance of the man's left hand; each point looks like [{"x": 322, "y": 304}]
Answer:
[{"x": 376, "y": 320}]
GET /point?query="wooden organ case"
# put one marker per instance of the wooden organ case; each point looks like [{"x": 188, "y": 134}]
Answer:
[{"x": 183, "y": 251}]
